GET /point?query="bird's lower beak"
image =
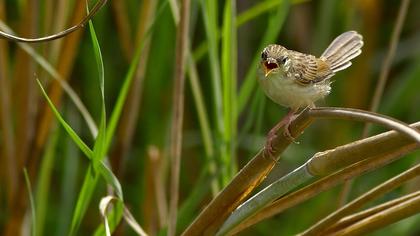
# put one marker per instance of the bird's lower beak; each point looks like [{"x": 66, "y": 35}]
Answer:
[
  {"x": 266, "y": 71},
  {"x": 268, "y": 67}
]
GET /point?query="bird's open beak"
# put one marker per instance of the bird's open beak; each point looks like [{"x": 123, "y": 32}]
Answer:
[
  {"x": 268, "y": 67},
  {"x": 266, "y": 71}
]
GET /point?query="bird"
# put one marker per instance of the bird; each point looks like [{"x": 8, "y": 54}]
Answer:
[{"x": 297, "y": 80}]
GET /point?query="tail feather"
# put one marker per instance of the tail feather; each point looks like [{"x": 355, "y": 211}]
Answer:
[{"x": 344, "y": 48}]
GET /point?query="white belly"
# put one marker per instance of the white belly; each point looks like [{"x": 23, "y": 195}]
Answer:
[{"x": 288, "y": 93}]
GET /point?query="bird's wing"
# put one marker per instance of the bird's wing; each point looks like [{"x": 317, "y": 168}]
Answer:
[{"x": 307, "y": 69}]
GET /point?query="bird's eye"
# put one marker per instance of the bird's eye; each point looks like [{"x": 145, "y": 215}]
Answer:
[
  {"x": 264, "y": 55},
  {"x": 283, "y": 60}
]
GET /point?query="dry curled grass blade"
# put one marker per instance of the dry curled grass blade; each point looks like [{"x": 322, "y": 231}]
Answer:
[{"x": 61, "y": 34}]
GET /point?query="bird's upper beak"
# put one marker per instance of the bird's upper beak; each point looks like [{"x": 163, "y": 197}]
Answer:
[{"x": 269, "y": 65}]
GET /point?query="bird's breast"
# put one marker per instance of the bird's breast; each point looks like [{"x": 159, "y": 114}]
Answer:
[{"x": 287, "y": 92}]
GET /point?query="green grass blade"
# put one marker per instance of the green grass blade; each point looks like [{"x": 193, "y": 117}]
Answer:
[
  {"x": 241, "y": 19},
  {"x": 192, "y": 203},
  {"x": 31, "y": 200},
  {"x": 99, "y": 150},
  {"x": 210, "y": 16},
  {"x": 85, "y": 195},
  {"x": 44, "y": 182},
  {"x": 77, "y": 140},
  {"x": 45, "y": 64},
  {"x": 229, "y": 77},
  {"x": 274, "y": 26},
  {"x": 111, "y": 179},
  {"x": 116, "y": 113},
  {"x": 69, "y": 173}
]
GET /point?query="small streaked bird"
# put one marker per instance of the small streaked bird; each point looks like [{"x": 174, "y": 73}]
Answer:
[{"x": 296, "y": 80}]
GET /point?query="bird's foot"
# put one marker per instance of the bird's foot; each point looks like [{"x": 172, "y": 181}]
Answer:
[
  {"x": 286, "y": 131},
  {"x": 268, "y": 148}
]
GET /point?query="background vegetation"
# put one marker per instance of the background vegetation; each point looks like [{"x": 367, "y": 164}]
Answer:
[{"x": 225, "y": 114}]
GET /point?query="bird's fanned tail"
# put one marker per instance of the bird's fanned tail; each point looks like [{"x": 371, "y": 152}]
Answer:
[{"x": 344, "y": 48}]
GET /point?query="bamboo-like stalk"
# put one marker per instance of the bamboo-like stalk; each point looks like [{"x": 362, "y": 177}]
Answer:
[
  {"x": 376, "y": 151},
  {"x": 360, "y": 201},
  {"x": 246, "y": 180},
  {"x": 178, "y": 112},
  {"x": 351, "y": 219},
  {"x": 383, "y": 218}
]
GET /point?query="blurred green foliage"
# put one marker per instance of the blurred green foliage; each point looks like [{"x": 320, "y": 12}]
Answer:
[{"x": 226, "y": 38}]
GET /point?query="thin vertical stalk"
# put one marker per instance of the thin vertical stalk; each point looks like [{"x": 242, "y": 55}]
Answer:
[
  {"x": 203, "y": 120},
  {"x": 229, "y": 74},
  {"x": 380, "y": 86},
  {"x": 64, "y": 66},
  {"x": 178, "y": 112},
  {"x": 24, "y": 97},
  {"x": 210, "y": 16},
  {"x": 123, "y": 26},
  {"x": 65, "y": 63},
  {"x": 386, "y": 66},
  {"x": 6, "y": 125},
  {"x": 128, "y": 122}
]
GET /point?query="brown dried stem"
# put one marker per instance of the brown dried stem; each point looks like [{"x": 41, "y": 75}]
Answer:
[
  {"x": 362, "y": 200},
  {"x": 178, "y": 112},
  {"x": 210, "y": 219},
  {"x": 7, "y": 148},
  {"x": 380, "y": 86},
  {"x": 322, "y": 185},
  {"x": 349, "y": 220},
  {"x": 246, "y": 180},
  {"x": 374, "y": 152},
  {"x": 123, "y": 26},
  {"x": 64, "y": 67},
  {"x": 128, "y": 120},
  {"x": 383, "y": 218}
]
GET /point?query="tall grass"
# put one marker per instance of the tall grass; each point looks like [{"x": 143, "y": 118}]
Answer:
[{"x": 106, "y": 92}]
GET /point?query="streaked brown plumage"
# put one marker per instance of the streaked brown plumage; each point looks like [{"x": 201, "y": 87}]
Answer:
[
  {"x": 297, "y": 80},
  {"x": 293, "y": 79}
]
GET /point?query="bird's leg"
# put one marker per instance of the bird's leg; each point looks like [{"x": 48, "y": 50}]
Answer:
[{"x": 285, "y": 122}]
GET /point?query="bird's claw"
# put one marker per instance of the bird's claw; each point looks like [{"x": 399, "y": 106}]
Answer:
[
  {"x": 288, "y": 135},
  {"x": 268, "y": 148}
]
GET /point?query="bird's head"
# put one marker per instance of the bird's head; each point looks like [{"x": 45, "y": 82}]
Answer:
[{"x": 275, "y": 60}]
